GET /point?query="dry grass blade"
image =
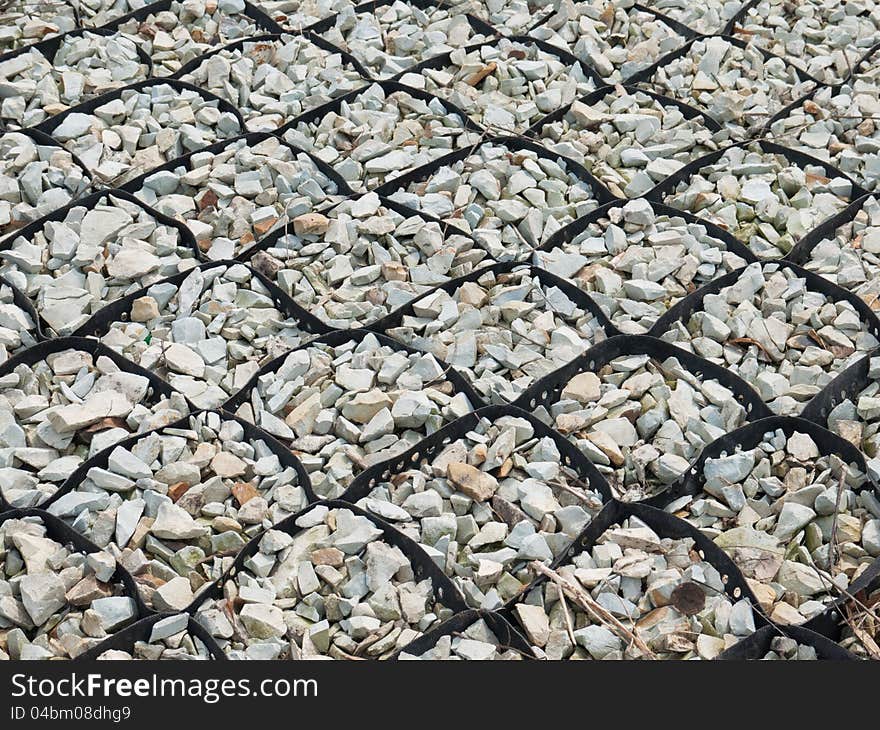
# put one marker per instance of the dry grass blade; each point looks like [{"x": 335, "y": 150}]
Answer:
[{"x": 583, "y": 599}]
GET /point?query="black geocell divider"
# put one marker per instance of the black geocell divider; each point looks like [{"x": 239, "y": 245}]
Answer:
[
  {"x": 251, "y": 11},
  {"x": 566, "y": 57},
  {"x": 432, "y": 445},
  {"x": 87, "y": 107},
  {"x": 423, "y": 566},
  {"x": 795, "y": 157},
  {"x": 191, "y": 66},
  {"x": 158, "y": 388},
  {"x": 758, "y": 644},
  {"x": 665, "y": 525},
  {"x": 693, "y": 302},
  {"x": 687, "y": 111},
  {"x": 750, "y": 436},
  {"x": 509, "y": 637},
  {"x": 580, "y": 298},
  {"x": 118, "y": 311},
  {"x": 59, "y": 531},
  {"x": 334, "y": 338},
  {"x": 676, "y": 25},
  {"x": 251, "y": 432},
  {"x": 600, "y": 192},
  {"x": 140, "y": 631},
  {"x": 847, "y": 384},
  {"x": 89, "y": 201}
]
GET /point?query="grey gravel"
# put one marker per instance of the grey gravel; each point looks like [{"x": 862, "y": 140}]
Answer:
[{"x": 331, "y": 587}]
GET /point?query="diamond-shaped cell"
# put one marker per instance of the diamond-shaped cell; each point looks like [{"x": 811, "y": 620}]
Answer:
[
  {"x": 272, "y": 79},
  {"x": 733, "y": 82},
  {"x": 642, "y": 411},
  {"x": 65, "y": 403},
  {"x": 346, "y": 401},
  {"x": 507, "y": 85},
  {"x": 826, "y": 38},
  {"x": 502, "y": 328},
  {"x": 766, "y": 196},
  {"x": 50, "y": 77},
  {"x": 206, "y": 331},
  {"x": 75, "y": 261},
  {"x": 391, "y": 37},
  {"x": 41, "y": 177},
  {"x": 838, "y": 126},
  {"x": 173, "y": 33},
  {"x": 353, "y": 586},
  {"x": 510, "y": 194},
  {"x": 498, "y": 491},
  {"x": 173, "y": 501},
  {"x": 791, "y": 505},
  {"x": 233, "y": 193},
  {"x": 114, "y": 142},
  {"x": 616, "y": 41},
  {"x": 846, "y": 251},
  {"x": 630, "y": 139},
  {"x": 382, "y": 132},
  {"x": 637, "y": 586},
  {"x": 638, "y": 259},
  {"x": 783, "y": 330},
  {"x": 364, "y": 259}
]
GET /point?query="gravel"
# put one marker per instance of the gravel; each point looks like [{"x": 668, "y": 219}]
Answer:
[
  {"x": 636, "y": 262},
  {"x": 775, "y": 332},
  {"x": 344, "y": 407},
  {"x": 35, "y": 86},
  {"x": 396, "y": 36},
  {"x": 506, "y": 85},
  {"x": 502, "y": 331},
  {"x": 376, "y": 136},
  {"x": 329, "y": 585},
  {"x": 475, "y": 643},
  {"x": 168, "y": 639},
  {"x": 642, "y": 579},
  {"x": 826, "y": 38},
  {"x": 142, "y": 128},
  {"x": 188, "y": 29},
  {"x": 37, "y": 179},
  {"x": 208, "y": 334},
  {"x": 233, "y": 197},
  {"x": 629, "y": 140},
  {"x": 783, "y": 648},
  {"x": 17, "y": 324},
  {"x": 273, "y": 80},
  {"x": 772, "y": 509},
  {"x": 736, "y": 86},
  {"x": 510, "y": 199},
  {"x": 64, "y": 408},
  {"x": 56, "y": 601},
  {"x": 364, "y": 260},
  {"x": 23, "y": 22},
  {"x": 71, "y": 268},
  {"x": 768, "y": 202},
  {"x": 838, "y": 126},
  {"x": 857, "y": 419},
  {"x": 642, "y": 421},
  {"x": 616, "y": 39},
  {"x": 487, "y": 505},
  {"x": 177, "y": 500}
]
